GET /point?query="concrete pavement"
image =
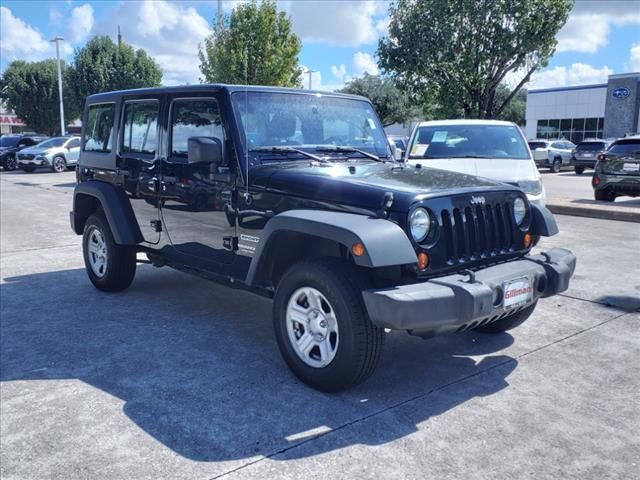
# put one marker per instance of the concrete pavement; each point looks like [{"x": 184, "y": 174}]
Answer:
[{"x": 180, "y": 378}]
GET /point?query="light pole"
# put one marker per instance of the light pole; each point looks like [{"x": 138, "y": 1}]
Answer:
[
  {"x": 310, "y": 72},
  {"x": 57, "y": 41}
]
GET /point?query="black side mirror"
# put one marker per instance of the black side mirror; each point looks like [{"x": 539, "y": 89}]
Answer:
[{"x": 204, "y": 150}]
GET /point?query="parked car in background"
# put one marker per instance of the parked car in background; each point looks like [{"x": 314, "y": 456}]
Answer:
[
  {"x": 585, "y": 155},
  {"x": 400, "y": 142},
  {"x": 551, "y": 154},
  {"x": 56, "y": 153},
  {"x": 617, "y": 171},
  {"x": 10, "y": 145},
  {"x": 486, "y": 148}
]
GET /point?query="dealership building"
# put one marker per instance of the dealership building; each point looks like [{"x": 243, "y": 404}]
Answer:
[{"x": 607, "y": 110}]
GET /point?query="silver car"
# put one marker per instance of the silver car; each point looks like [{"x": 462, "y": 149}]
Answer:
[
  {"x": 551, "y": 154},
  {"x": 56, "y": 153}
]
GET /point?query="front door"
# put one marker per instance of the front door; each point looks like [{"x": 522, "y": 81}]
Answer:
[
  {"x": 195, "y": 195},
  {"x": 73, "y": 150},
  {"x": 138, "y": 157}
]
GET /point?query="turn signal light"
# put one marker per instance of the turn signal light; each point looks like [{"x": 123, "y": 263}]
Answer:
[
  {"x": 423, "y": 260},
  {"x": 528, "y": 240},
  {"x": 357, "y": 249}
]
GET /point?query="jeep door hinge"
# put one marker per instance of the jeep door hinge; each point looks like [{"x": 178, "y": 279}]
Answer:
[
  {"x": 230, "y": 243},
  {"x": 156, "y": 225}
]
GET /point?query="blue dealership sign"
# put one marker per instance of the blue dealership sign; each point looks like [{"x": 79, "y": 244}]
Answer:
[{"x": 621, "y": 92}]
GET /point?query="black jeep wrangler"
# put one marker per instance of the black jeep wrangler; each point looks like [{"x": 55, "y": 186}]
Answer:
[{"x": 295, "y": 195}]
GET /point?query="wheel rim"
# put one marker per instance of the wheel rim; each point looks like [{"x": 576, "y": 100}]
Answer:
[
  {"x": 312, "y": 327},
  {"x": 97, "y": 253},
  {"x": 58, "y": 164},
  {"x": 12, "y": 163}
]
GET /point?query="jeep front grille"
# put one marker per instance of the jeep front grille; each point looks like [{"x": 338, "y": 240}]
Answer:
[{"x": 477, "y": 232}]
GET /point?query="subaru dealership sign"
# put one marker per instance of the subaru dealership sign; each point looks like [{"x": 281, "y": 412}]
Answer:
[{"x": 621, "y": 92}]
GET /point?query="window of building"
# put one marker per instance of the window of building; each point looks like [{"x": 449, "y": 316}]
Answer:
[
  {"x": 97, "y": 133},
  {"x": 140, "y": 127},
  {"x": 572, "y": 129}
]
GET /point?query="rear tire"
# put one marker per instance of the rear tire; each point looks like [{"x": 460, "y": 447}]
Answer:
[
  {"x": 579, "y": 170},
  {"x": 354, "y": 351},
  {"x": 556, "y": 165},
  {"x": 604, "y": 195},
  {"x": 507, "y": 323},
  {"x": 111, "y": 267}
]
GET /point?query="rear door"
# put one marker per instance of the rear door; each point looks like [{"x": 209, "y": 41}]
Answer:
[
  {"x": 73, "y": 150},
  {"x": 623, "y": 158}
]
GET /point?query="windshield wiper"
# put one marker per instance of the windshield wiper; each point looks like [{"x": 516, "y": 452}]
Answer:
[
  {"x": 283, "y": 149},
  {"x": 348, "y": 150}
]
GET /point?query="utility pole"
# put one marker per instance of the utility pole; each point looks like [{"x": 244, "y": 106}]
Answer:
[
  {"x": 57, "y": 41},
  {"x": 219, "y": 15},
  {"x": 310, "y": 72}
]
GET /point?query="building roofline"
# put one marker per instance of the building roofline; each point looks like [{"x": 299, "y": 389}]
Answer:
[
  {"x": 625, "y": 75},
  {"x": 564, "y": 89}
]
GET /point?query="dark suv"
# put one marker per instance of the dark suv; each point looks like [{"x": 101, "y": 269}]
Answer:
[
  {"x": 585, "y": 155},
  {"x": 303, "y": 203},
  {"x": 10, "y": 145},
  {"x": 617, "y": 172}
]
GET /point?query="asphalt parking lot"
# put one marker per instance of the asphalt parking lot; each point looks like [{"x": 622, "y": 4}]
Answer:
[{"x": 180, "y": 378}]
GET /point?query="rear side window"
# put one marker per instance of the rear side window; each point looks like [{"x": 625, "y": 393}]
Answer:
[
  {"x": 73, "y": 143},
  {"x": 140, "y": 127},
  {"x": 97, "y": 132},
  {"x": 194, "y": 118},
  {"x": 534, "y": 145},
  {"x": 590, "y": 146}
]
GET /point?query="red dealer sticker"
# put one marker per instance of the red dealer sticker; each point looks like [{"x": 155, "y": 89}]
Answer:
[{"x": 517, "y": 292}]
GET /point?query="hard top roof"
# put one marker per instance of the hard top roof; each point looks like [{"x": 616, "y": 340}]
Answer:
[{"x": 211, "y": 87}]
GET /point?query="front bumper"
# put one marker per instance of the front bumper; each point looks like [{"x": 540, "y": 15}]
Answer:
[
  {"x": 38, "y": 161},
  {"x": 453, "y": 303}
]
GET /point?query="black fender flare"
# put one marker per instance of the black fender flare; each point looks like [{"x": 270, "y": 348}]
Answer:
[
  {"x": 542, "y": 221},
  {"x": 385, "y": 243},
  {"x": 117, "y": 210}
]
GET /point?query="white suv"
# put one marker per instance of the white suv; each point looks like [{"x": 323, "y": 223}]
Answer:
[
  {"x": 552, "y": 154},
  {"x": 485, "y": 148}
]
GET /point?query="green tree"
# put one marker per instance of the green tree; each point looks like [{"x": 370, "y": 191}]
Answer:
[
  {"x": 103, "y": 65},
  {"x": 461, "y": 51},
  {"x": 30, "y": 89},
  {"x": 515, "y": 109},
  {"x": 255, "y": 45},
  {"x": 392, "y": 105}
]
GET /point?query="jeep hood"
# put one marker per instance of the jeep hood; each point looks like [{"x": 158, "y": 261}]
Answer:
[{"x": 364, "y": 184}]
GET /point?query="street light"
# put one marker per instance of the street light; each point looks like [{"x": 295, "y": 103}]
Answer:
[
  {"x": 56, "y": 41},
  {"x": 310, "y": 72}
]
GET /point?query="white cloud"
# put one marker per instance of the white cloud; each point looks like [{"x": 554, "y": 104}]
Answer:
[
  {"x": 316, "y": 80},
  {"x": 81, "y": 23},
  {"x": 589, "y": 24},
  {"x": 337, "y": 22},
  {"x": 339, "y": 72},
  {"x": 18, "y": 40},
  {"x": 169, "y": 32},
  {"x": 576, "y": 74},
  {"x": 634, "y": 58},
  {"x": 364, "y": 63}
]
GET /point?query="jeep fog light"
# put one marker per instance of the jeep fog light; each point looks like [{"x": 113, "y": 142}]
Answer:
[
  {"x": 419, "y": 223},
  {"x": 519, "y": 210}
]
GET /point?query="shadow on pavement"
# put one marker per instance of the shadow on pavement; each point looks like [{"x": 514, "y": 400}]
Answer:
[
  {"x": 198, "y": 369},
  {"x": 623, "y": 302}
]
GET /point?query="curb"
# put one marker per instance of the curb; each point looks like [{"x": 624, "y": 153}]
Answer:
[{"x": 594, "y": 210}]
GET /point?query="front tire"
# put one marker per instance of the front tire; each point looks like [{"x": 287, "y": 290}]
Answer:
[
  {"x": 323, "y": 331},
  {"x": 111, "y": 267},
  {"x": 579, "y": 170},
  {"x": 11, "y": 163},
  {"x": 555, "y": 166},
  {"x": 58, "y": 164},
  {"x": 509, "y": 322}
]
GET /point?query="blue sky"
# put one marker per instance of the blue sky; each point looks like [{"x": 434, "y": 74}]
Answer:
[{"x": 339, "y": 36}]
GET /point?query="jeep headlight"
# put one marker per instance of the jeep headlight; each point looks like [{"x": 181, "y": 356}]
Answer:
[
  {"x": 519, "y": 210},
  {"x": 419, "y": 224}
]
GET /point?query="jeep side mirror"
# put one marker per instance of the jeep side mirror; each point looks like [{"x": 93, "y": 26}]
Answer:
[{"x": 204, "y": 150}]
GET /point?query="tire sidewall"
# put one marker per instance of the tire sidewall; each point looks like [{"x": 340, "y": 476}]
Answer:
[
  {"x": 55, "y": 160},
  {"x": 98, "y": 222},
  {"x": 338, "y": 371},
  {"x": 11, "y": 163}
]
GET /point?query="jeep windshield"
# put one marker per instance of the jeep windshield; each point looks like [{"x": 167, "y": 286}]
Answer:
[
  {"x": 469, "y": 141},
  {"x": 315, "y": 123}
]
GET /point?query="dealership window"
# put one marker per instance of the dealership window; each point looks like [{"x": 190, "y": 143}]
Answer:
[
  {"x": 97, "y": 133},
  {"x": 573, "y": 129}
]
